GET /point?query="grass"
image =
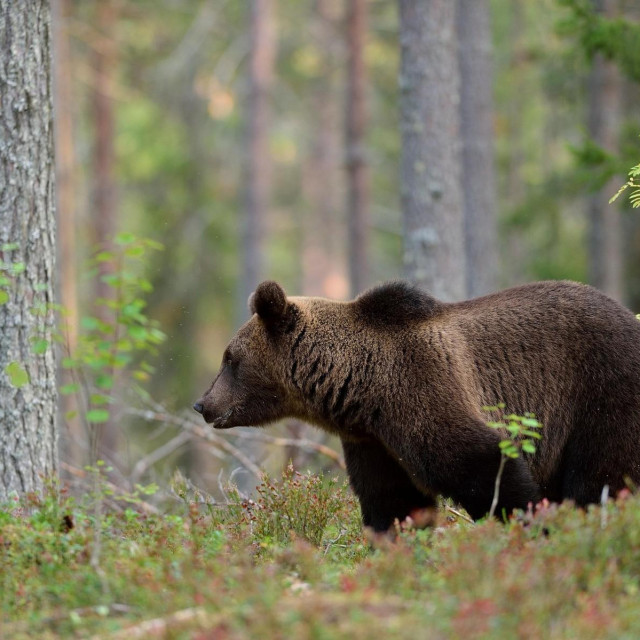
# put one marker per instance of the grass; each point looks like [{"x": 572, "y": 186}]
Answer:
[{"x": 295, "y": 563}]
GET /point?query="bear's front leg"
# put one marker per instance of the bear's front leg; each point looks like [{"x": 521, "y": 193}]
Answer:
[
  {"x": 461, "y": 461},
  {"x": 383, "y": 487}
]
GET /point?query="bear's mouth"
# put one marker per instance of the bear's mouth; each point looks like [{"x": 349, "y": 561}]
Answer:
[{"x": 219, "y": 422}]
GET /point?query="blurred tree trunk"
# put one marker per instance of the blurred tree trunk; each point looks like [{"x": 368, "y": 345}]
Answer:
[
  {"x": 28, "y": 436},
  {"x": 432, "y": 202},
  {"x": 104, "y": 184},
  {"x": 476, "y": 133},
  {"x": 66, "y": 210},
  {"x": 604, "y": 115},
  {"x": 321, "y": 243},
  {"x": 65, "y": 165},
  {"x": 257, "y": 160},
  {"x": 356, "y": 161}
]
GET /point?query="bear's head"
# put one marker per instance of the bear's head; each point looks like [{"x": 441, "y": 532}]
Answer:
[{"x": 250, "y": 388}]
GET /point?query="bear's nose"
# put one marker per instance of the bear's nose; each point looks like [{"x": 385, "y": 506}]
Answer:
[{"x": 199, "y": 407}]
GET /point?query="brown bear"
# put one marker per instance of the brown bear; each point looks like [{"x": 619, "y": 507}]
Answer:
[{"x": 402, "y": 379}]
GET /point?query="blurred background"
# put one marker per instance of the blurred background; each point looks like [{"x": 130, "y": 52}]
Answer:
[{"x": 261, "y": 139}]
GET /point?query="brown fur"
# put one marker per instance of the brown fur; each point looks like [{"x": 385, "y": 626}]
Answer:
[{"x": 402, "y": 379}]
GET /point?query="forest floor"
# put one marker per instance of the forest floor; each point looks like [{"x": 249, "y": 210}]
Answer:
[{"x": 295, "y": 563}]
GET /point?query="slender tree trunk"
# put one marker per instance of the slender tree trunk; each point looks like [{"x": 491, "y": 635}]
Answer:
[
  {"x": 257, "y": 160},
  {"x": 65, "y": 166},
  {"x": 604, "y": 109},
  {"x": 104, "y": 195},
  {"x": 322, "y": 244},
  {"x": 432, "y": 202},
  {"x": 107, "y": 436},
  {"x": 357, "y": 170},
  {"x": 476, "y": 133},
  {"x": 28, "y": 436}
]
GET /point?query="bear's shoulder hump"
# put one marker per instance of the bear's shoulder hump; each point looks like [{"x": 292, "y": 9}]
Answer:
[{"x": 395, "y": 303}]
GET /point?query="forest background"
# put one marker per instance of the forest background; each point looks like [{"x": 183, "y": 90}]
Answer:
[{"x": 262, "y": 140}]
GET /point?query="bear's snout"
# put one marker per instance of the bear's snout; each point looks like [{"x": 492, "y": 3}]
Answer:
[{"x": 199, "y": 407}]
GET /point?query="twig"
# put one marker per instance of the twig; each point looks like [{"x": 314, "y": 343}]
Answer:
[
  {"x": 197, "y": 430},
  {"x": 161, "y": 627},
  {"x": 496, "y": 491},
  {"x": 303, "y": 443},
  {"x": 161, "y": 452},
  {"x": 82, "y": 474},
  {"x": 458, "y": 514}
]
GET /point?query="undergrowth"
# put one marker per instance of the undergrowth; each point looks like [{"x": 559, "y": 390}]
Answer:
[{"x": 294, "y": 562}]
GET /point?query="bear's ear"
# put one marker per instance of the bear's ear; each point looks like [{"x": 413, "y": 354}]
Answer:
[{"x": 269, "y": 301}]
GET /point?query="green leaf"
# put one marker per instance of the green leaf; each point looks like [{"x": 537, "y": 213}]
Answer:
[
  {"x": 134, "y": 252},
  {"x": 152, "y": 244},
  {"x": 124, "y": 238},
  {"x": 39, "y": 345},
  {"x": 528, "y": 446},
  {"x": 98, "y": 398},
  {"x": 104, "y": 381},
  {"x": 10, "y": 246},
  {"x": 68, "y": 389},
  {"x": 4, "y": 296},
  {"x": 89, "y": 323},
  {"x": 17, "y": 268},
  {"x": 18, "y": 376},
  {"x": 104, "y": 256},
  {"x": 97, "y": 416}
]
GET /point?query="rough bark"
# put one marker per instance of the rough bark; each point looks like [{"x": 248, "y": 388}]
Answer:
[
  {"x": 356, "y": 161},
  {"x": 257, "y": 160},
  {"x": 476, "y": 134},
  {"x": 28, "y": 437},
  {"x": 432, "y": 203},
  {"x": 604, "y": 112}
]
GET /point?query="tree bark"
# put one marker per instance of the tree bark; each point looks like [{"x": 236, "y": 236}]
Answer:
[
  {"x": 432, "y": 202},
  {"x": 28, "y": 436},
  {"x": 604, "y": 112},
  {"x": 357, "y": 170},
  {"x": 257, "y": 160},
  {"x": 476, "y": 133}
]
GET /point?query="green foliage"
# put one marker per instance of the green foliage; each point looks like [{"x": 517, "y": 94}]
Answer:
[
  {"x": 559, "y": 572},
  {"x": 520, "y": 435},
  {"x": 616, "y": 38},
  {"x": 520, "y": 432},
  {"x": 300, "y": 504},
  {"x": 632, "y": 183},
  {"x": 18, "y": 376},
  {"x": 117, "y": 341}
]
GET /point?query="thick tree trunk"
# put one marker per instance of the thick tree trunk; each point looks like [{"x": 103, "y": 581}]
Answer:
[
  {"x": 257, "y": 160},
  {"x": 476, "y": 133},
  {"x": 357, "y": 171},
  {"x": 604, "y": 108},
  {"x": 28, "y": 437},
  {"x": 432, "y": 202}
]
